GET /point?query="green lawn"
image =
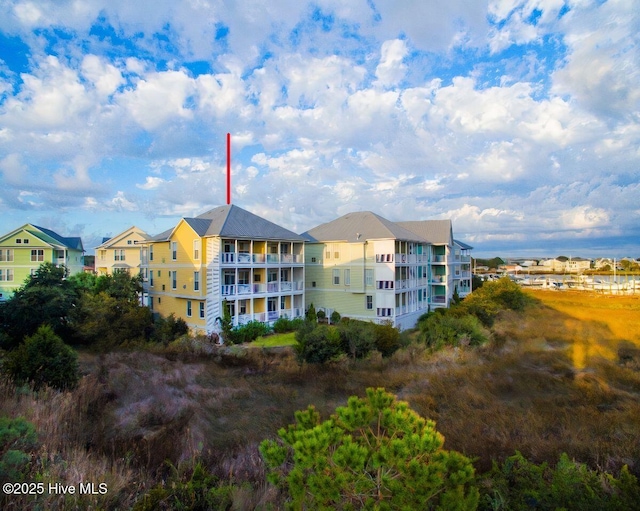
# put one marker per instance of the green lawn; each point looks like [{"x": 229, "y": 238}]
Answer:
[{"x": 272, "y": 341}]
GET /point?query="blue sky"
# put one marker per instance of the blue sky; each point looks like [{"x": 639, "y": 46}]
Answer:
[{"x": 518, "y": 120}]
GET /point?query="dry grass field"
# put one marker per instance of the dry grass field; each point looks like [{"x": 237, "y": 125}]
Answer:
[
  {"x": 599, "y": 323},
  {"x": 564, "y": 376}
]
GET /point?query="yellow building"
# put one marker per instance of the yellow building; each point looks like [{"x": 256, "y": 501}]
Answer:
[
  {"x": 121, "y": 252},
  {"x": 225, "y": 255}
]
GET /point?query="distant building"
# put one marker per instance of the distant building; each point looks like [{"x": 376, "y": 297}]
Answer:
[
  {"x": 120, "y": 252},
  {"x": 23, "y": 250}
]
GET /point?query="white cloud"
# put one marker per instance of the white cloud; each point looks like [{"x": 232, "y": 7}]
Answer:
[
  {"x": 151, "y": 183},
  {"x": 391, "y": 68},
  {"x": 13, "y": 169},
  {"x": 584, "y": 217},
  {"x": 159, "y": 98},
  {"x": 105, "y": 77}
]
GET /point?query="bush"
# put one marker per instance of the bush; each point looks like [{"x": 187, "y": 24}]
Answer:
[
  {"x": 43, "y": 359},
  {"x": 196, "y": 491},
  {"x": 335, "y": 317},
  {"x": 283, "y": 325},
  {"x": 387, "y": 339},
  {"x": 375, "y": 453},
  {"x": 451, "y": 328},
  {"x": 249, "y": 332},
  {"x": 167, "y": 330},
  {"x": 16, "y": 437},
  {"x": 485, "y": 303},
  {"x": 519, "y": 484},
  {"x": 357, "y": 338},
  {"x": 317, "y": 344}
]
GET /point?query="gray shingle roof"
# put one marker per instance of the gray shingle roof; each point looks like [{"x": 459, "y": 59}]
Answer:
[
  {"x": 360, "y": 226},
  {"x": 234, "y": 222},
  {"x": 434, "y": 231}
]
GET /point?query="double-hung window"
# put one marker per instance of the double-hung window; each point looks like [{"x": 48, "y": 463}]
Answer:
[
  {"x": 336, "y": 277},
  {"x": 37, "y": 255},
  {"x": 174, "y": 250},
  {"x": 196, "y": 281}
]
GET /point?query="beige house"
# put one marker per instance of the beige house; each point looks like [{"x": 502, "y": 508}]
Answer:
[{"x": 120, "y": 252}]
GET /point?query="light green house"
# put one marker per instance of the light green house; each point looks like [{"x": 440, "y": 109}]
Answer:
[
  {"x": 23, "y": 251},
  {"x": 366, "y": 267}
]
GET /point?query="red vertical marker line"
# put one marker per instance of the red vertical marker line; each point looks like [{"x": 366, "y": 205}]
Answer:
[{"x": 228, "y": 168}]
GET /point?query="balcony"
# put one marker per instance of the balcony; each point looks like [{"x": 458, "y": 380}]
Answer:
[
  {"x": 438, "y": 299},
  {"x": 257, "y": 289},
  {"x": 439, "y": 279},
  {"x": 246, "y": 258},
  {"x": 439, "y": 259}
]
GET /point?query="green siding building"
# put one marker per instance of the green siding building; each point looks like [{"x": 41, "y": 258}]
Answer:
[
  {"x": 366, "y": 267},
  {"x": 23, "y": 250}
]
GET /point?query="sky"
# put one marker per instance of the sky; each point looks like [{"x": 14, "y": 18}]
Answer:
[{"x": 519, "y": 120}]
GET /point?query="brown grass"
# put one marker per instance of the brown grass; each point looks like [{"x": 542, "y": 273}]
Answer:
[{"x": 562, "y": 377}]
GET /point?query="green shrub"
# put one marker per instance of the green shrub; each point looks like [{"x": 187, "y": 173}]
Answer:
[
  {"x": 450, "y": 328},
  {"x": 43, "y": 359},
  {"x": 197, "y": 491},
  {"x": 387, "y": 339},
  {"x": 311, "y": 314},
  {"x": 168, "y": 329},
  {"x": 17, "y": 436},
  {"x": 357, "y": 338},
  {"x": 283, "y": 325},
  {"x": 249, "y": 332},
  {"x": 317, "y": 344},
  {"x": 519, "y": 484},
  {"x": 335, "y": 317},
  {"x": 486, "y": 302},
  {"x": 374, "y": 453}
]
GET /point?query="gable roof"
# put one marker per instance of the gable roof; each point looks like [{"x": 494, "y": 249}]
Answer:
[
  {"x": 50, "y": 237},
  {"x": 114, "y": 239},
  {"x": 434, "y": 231},
  {"x": 234, "y": 222},
  {"x": 360, "y": 226}
]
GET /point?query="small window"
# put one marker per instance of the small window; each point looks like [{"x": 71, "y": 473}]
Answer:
[
  {"x": 18, "y": 241},
  {"x": 188, "y": 308},
  {"x": 174, "y": 250},
  {"x": 369, "y": 302},
  {"x": 25, "y": 241},
  {"x": 368, "y": 277},
  {"x": 196, "y": 249},
  {"x": 313, "y": 284},
  {"x": 129, "y": 242},
  {"x": 314, "y": 260},
  {"x": 347, "y": 277},
  {"x": 336, "y": 277},
  {"x": 196, "y": 281},
  {"x": 202, "y": 310}
]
